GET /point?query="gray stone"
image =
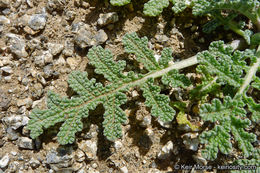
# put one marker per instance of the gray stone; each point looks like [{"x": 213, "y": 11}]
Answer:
[
  {"x": 154, "y": 170},
  {"x": 107, "y": 18},
  {"x": 4, "y": 20},
  {"x": 191, "y": 141},
  {"x": 100, "y": 37},
  {"x": 4, "y": 3},
  {"x": 37, "y": 90},
  {"x": 79, "y": 156},
  {"x": 118, "y": 145},
  {"x": 37, "y": 21},
  {"x": 13, "y": 166},
  {"x": 161, "y": 38},
  {"x": 24, "y": 102},
  {"x": 199, "y": 160},
  {"x": 17, "y": 45},
  {"x": 166, "y": 150},
  {"x": 48, "y": 71},
  {"x": 4, "y": 161},
  {"x": 8, "y": 78},
  {"x": 85, "y": 37},
  {"x": 55, "y": 48},
  {"x": 124, "y": 169},
  {"x": 34, "y": 163},
  {"x": 43, "y": 58},
  {"x": 25, "y": 143},
  {"x": 4, "y": 100},
  {"x": 165, "y": 124},
  {"x": 56, "y": 5},
  {"x": 12, "y": 134},
  {"x": 92, "y": 133},
  {"x": 146, "y": 121},
  {"x": 59, "y": 159},
  {"x": 92, "y": 170},
  {"x": 70, "y": 15},
  {"x": 34, "y": 44},
  {"x": 90, "y": 149},
  {"x": 184, "y": 127},
  {"x": 7, "y": 69},
  {"x": 30, "y": 3},
  {"x": 16, "y": 121}
]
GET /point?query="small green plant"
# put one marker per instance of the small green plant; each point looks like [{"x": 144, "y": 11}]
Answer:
[
  {"x": 90, "y": 93},
  {"x": 155, "y": 7},
  {"x": 227, "y": 75}
]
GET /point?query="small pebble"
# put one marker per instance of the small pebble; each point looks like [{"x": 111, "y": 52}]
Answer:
[
  {"x": 118, "y": 145},
  {"x": 107, "y": 18},
  {"x": 34, "y": 163},
  {"x": 90, "y": 149},
  {"x": 4, "y": 161},
  {"x": 37, "y": 21},
  {"x": 166, "y": 150},
  {"x": 7, "y": 69},
  {"x": 55, "y": 48},
  {"x": 17, "y": 45},
  {"x": 4, "y": 3},
  {"x": 12, "y": 134},
  {"x": 124, "y": 169},
  {"x": 25, "y": 143},
  {"x": 24, "y": 102}
]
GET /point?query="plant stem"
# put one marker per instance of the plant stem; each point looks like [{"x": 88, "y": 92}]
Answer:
[{"x": 252, "y": 71}]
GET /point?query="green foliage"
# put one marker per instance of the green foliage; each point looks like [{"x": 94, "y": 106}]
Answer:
[
  {"x": 221, "y": 66},
  {"x": 155, "y": 7},
  {"x": 158, "y": 102},
  {"x": 251, "y": 165},
  {"x": 231, "y": 118},
  {"x": 119, "y": 2},
  {"x": 133, "y": 44},
  {"x": 174, "y": 79},
  {"x": 232, "y": 111},
  {"x": 224, "y": 68},
  {"x": 91, "y": 93},
  {"x": 223, "y": 12}
]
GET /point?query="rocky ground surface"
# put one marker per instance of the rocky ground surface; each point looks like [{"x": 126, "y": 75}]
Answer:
[{"x": 42, "y": 41}]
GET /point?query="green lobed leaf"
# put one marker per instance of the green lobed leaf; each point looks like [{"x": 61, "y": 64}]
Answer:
[
  {"x": 59, "y": 110},
  {"x": 114, "y": 116},
  {"x": 216, "y": 139},
  {"x": 207, "y": 85},
  {"x": 218, "y": 20},
  {"x": 103, "y": 61},
  {"x": 243, "y": 138},
  {"x": 159, "y": 103},
  {"x": 251, "y": 165},
  {"x": 89, "y": 93},
  {"x": 217, "y": 111},
  {"x": 138, "y": 46},
  {"x": 253, "y": 107},
  {"x": 166, "y": 57},
  {"x": 256, "y": 83},
  {"x": 174, "y": 79},
  {"x": 247, "y": 7},
  {"x": 218, "y": 61},
  {"x": 87, "y": 89},
  {"x": 231, "y": 118},
  {"x": 180, "y": 5},
  {"x": 119, "y": 2},
  {"x": 155, "y": 7}
]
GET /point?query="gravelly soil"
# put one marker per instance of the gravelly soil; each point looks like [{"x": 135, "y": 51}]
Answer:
[{"x": 41, "y": 42}]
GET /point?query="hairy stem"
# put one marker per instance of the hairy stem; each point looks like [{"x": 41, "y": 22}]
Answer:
[{"x": 251, "y": 72}]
